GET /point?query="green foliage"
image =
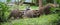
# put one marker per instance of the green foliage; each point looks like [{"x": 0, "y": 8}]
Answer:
[
  {"x": 42, "y": 20},
  {"x": 3, "y": 9},
  {"x": 58, "y": 1},
  {"x": 53, "y": 10},
  {"x": 8, "y": 0}
]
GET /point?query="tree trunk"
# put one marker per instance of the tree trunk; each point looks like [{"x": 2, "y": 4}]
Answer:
[
  {"x": 55, "y": 3},
  {"x": 40, "y": 7},
  {"x": 40, "y": 3},
  {"x": 21, "y": 2}
]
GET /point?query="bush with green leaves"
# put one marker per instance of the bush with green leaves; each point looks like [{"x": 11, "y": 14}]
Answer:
[{"x": 3, "y": 10}]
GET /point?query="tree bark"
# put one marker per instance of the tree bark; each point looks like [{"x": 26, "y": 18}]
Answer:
[
  {"x": 40, "y": 7},
  {"x": 40, "y": 3},
  {"x": 21, "y": 2}
]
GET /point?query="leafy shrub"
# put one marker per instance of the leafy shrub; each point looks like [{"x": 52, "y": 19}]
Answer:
[{"x": 3, "y": 10}]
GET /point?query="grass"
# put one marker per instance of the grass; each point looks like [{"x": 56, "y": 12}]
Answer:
[{"x": 42, "y": 20}]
